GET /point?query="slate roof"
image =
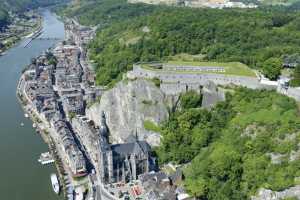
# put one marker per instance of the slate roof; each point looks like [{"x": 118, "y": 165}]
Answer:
[{"x": 131, "y": 148}]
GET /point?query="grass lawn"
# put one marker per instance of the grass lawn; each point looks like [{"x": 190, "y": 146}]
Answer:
[{"x": 231, "y": 68}]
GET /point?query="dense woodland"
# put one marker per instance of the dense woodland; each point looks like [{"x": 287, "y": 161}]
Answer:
[
  {"x": 130, "y": 33},
  {"x": 229, "y": 146}
]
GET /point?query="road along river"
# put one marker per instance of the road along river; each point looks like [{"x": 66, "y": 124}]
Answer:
[{"x": 22, "y": 177}]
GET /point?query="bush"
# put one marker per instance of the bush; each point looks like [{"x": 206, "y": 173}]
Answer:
[
  {"x": 272, "y": 68},
  {"x": 150, "y": 126},
  {"x": 190, "y": 99}
]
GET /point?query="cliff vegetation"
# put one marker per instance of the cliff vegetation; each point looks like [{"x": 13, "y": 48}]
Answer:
[
  {"x": 129, "y": 33},
  {"x": 231, "y": 148}
]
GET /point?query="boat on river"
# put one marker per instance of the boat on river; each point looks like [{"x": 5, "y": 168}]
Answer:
[
  {"x": 46, "y": 158},
  {"x": 55, "y": 183}
]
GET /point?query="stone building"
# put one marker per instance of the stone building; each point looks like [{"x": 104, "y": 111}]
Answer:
[{"x": 122, "y": 162}]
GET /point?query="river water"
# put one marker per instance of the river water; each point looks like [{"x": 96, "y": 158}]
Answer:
[{"x": 21, "y": 176}]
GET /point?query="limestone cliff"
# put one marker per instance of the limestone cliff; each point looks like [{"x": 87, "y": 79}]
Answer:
[
  {"x": 264, "y": 194},
  {"x": 127, "y": 106}
]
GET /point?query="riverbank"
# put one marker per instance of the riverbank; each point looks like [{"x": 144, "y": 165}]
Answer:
[
  {"x": 44, "y": 134},
  {"x": 50, "y": 109},
  {"x": 19, "y": 29},
  {"x": 24, "y": 177}
]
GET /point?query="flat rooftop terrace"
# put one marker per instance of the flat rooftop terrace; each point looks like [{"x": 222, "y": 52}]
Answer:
[{"x": 230, "y": 68}]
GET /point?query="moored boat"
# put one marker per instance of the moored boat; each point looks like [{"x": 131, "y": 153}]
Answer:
[
  {"x": 46, "y": 158},
  {"x": 55, "y": 183}
]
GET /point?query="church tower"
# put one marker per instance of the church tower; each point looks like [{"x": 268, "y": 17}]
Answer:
[{"x": 106, "y": 157}]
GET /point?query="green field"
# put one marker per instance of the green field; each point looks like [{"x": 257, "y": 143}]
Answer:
[{"x": 231, "y": 68}]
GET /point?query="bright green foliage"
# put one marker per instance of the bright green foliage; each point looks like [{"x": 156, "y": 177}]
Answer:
[
  {"x": 190, "y": 99},
  {"x": 228, "y": 146},
  {"x": 156, "y": 81},
  {"x": 255, "y": 37},
  {"x": 105, "y": 12},
  {"x": 150, "y": 126},
  {"x": 295, "y": 82},
  {"x": 272, "y": 67}
]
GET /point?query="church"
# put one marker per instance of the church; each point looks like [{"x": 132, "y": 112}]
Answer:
[{"x": 122, "y": 162}]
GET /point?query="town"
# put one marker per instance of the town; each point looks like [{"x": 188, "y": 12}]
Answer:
[
  {"x": 25, "y": 25},
  {"x": 55, "y": 90}
]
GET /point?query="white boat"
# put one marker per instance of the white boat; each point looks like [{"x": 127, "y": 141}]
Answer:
[
  {"x": 55, "y": 184},
  {"x": 22, "y": 124},
  {"x": 34, "y": 125},
  {"x": 26, "y": 115},
  {"x": 46, "y": 158}
]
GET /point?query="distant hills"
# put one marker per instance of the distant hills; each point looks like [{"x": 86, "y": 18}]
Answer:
[
  {"x": 217, "y": 3},
  {"x": 19, "y": 6},
  {"x": 22, "y": 5}
]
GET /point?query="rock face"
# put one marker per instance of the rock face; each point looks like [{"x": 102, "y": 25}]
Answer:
[
  {"x": 265, "y": 194},
  {"x": 212, "y": 95},
  {"x": 127, "y": 106}
]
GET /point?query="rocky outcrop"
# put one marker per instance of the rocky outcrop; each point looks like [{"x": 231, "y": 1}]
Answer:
[
  {"x": 265, "y": 194},
  {"x": 127, "y": 106},
  {"x": 212, "y": 95}
]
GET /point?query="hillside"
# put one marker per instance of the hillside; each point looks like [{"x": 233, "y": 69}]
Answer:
[
  {"x": 105, "y": 12},
  {"x": 258, "y": 38},
  {"x": 22, "y": 5},
  {"x": 248, "y": 142}
]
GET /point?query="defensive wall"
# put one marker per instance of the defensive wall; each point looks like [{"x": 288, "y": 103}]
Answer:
[{"x": 173, "y": 82}]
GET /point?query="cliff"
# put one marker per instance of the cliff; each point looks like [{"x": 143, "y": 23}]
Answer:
[{"x": 127, "y": 106}]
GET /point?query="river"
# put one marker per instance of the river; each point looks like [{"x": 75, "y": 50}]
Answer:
[{"x": 22, "y": 177}]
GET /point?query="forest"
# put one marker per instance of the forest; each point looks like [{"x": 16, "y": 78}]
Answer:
[
  {"x": 129, "y": 33},
  {"x": 230, "y": 146}
]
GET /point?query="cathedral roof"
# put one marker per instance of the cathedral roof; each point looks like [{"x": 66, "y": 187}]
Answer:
[{"x": 138, "y": 147}]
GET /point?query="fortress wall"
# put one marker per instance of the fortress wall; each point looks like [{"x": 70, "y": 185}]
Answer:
[
  {"x": 174, "y": 83},
  {"x": 190, "y": 79}
]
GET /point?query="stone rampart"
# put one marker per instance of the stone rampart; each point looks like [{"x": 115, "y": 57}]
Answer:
[{"x": 173, "y": 82}]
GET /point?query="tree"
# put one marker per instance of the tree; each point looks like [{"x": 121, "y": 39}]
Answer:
[
  {"x": 190, "y": 99},
  {"x": 197, "y": 187},
  {"x": 295, "y": 82},
  {"x": 272, "y": 68}
]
